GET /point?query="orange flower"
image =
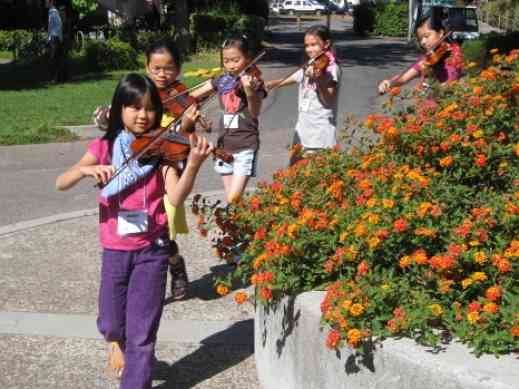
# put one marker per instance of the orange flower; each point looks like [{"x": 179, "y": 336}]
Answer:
[
  {"x": 420, "y": 257},
  {"x": 392, "y": 326},
  {"x": 240, "y": 297},
  {"x": 394, "y": 91},
  {"x": 490, "y": 308},
  {"x": 333, "y": 339},
  {"x": 515, "y": 331},
  {"x": 400, "y": 225},
  {"x": 494, "y": 293},
  {"x": 222, "y": 290},
  {"x": 354, "y": 337},
  {"x": 356, "y": 309},
  {"x": 446, "y": 161},
  {"x": 405, "y": 261}
]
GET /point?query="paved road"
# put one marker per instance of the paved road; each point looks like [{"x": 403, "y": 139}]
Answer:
[{"x": 28, "y": 172}]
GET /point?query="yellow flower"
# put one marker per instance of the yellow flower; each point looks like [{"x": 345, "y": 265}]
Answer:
[
  {"x": 388, "y": 203},
  {"x": 478, "y": 276},
  {"x": 474, "y": 243},
  {"x": 480, "y": 257},
  {"x": 473, "y": 317},
  {"x": 373, "y": 218},
  {"x": 373, "y": 242},
  {"x": 356, "y": 309},
  {"x": 346, "y": 304},
  {"x": 343, "y": 236},
  {"x": 385, "y": 286},
  {"x": 436, "y": 309},
  {"x": 478, "y": 134},
  {"x": 516, "y": 149},
  {"x": 371, "y": 203},
  {"x": 466, "y": 283}
]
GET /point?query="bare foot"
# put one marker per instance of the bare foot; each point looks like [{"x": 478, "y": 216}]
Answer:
[{"x": 115, "y": 364}]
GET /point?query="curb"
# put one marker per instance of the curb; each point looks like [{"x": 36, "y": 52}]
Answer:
[{"x": 29, "y": 224}]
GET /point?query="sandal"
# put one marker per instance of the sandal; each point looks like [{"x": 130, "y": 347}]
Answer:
[
  {"x": 179, "y": 280},
  {"x": 115, "y": 365}
]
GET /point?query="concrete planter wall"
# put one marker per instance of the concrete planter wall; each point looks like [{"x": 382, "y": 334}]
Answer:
[{"x": 290, "y": 353}]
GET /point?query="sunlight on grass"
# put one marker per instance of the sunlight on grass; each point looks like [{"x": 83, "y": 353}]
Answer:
[{"x": 32, "y": 110}]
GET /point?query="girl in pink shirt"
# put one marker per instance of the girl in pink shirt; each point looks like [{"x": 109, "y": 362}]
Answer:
[
  {"x": 429, "y": 33},
  {"x": 133, "y": 226}
]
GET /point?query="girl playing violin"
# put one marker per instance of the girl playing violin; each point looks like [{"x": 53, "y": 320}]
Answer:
[
  {"x": 318, "y": 91},
  {"x": 240, "y": 91},
  {"x": 163, "y": 66},
  {"x": 133, "y": 226},
  {"x": 443, "y": 60}
]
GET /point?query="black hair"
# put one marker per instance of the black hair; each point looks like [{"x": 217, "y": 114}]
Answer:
[
  {"x": 323, "y": 33},
  {"x": 434, "y": 19},
  {"x": 319, "y": 31},
  {"x": 162, "y": 46},
  {"x": 130, "y": 90},
  {"x": 240, "y": 42}
]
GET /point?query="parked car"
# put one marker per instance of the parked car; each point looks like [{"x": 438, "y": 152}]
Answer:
[
  {"x": 464, "y": 22},
  {"x": 293, "y": 7},
  {"x": 276, "y": 6}
]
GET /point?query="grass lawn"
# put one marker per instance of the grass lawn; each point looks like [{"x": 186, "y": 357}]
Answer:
[
  {"x": 6, "y": 55},
  {"x": 32, "y": 110}
]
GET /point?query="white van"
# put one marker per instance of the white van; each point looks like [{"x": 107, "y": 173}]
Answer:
[{"x": 293, "y": 7}]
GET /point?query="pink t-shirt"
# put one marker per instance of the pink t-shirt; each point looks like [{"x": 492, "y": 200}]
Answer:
[{"x": 130, "y": 199}]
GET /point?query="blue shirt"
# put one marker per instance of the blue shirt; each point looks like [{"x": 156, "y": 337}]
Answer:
[{"x": 55, "y": 25}]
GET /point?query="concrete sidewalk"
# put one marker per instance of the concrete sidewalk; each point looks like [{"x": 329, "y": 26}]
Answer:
[{"x": 49, "y": 285}]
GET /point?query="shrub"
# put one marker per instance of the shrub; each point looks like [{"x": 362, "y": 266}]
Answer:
[
  {"x": 146, "y": 38},
  {"x": 207, "y": 30},
  {"x": 27, "y": 46},
  {"x": 112, "y": 54},
  {"x": 391, "y": 19},
  {"x": 479, "y": 50},
  {"x": 414, "y": 236},
  {"x": 363, "y": 18}
]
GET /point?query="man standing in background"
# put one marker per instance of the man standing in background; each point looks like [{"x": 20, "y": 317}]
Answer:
[{"x": 56, "y": 49}]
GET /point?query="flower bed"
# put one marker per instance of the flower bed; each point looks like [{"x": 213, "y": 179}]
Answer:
[{"x": 416, "y": 236}]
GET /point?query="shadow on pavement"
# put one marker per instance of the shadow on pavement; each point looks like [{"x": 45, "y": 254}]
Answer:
[{"x": 216, "y": 354}]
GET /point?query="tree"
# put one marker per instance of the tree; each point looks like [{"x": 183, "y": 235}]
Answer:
[{"x": 84, "y": 7}]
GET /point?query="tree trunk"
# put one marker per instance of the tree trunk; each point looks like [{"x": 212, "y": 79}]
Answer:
[{"x": 182, "y": 25}]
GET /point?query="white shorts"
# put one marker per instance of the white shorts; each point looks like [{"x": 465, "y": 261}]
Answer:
[{"x": 244, "y": 164}]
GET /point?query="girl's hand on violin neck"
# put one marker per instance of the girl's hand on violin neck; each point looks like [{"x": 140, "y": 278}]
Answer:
[
  {"x": 249, "y": 83},
  {"x": 101, "y": 173},
  {"x": 200, "y": 150},
  {"x": 189, "y": 118}
]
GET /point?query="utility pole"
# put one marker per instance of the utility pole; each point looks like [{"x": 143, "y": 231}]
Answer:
[{"x": 411, "y": 23}]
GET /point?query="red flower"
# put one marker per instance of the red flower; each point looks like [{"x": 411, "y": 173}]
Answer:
[
  {"x": 266, "y": 294},
  {"x": 474, "y": 307},
  {"x": 400, "y": 225},
  {"x": 333, "y": 339},
  {"x": 480, "y": 160},
  {"x": 362, "y": 268}
]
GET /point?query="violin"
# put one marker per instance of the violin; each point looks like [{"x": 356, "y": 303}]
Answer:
[
  {"x": 176, "y": 100},
  {"x": 170, "y": 148},
  {"x": 438, "y": 52},
  {"x": 319, "y": 63}
]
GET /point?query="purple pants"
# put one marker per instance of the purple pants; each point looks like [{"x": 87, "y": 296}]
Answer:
[{"x": 131, "y": 297}]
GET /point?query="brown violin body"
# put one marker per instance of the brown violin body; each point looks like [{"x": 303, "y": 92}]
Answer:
[
  {"x": 437, "y": 54},
  {"x": 320, "y": 63},
  {"x": 169, "y": 148},
  {"x": 176, "y": 100}
]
